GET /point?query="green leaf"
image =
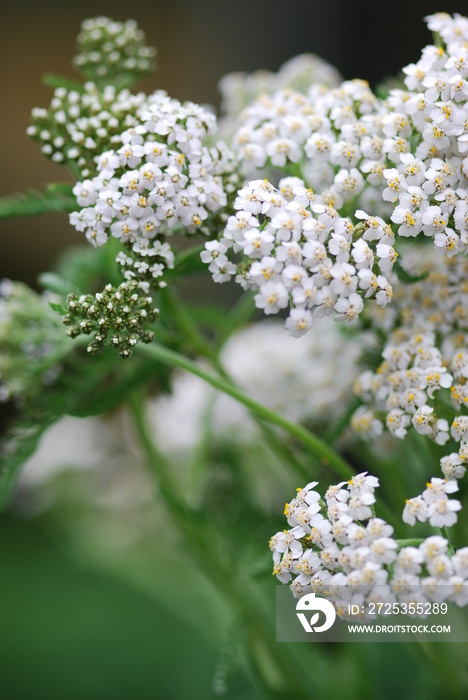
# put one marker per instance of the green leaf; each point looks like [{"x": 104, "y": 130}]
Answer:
[
  {"x": 215, "y": 319},
  {"x": 59, "y": 308},
  {"x": 126, "y": 81},
  {"x": 88, "y": 385},
  {"x": 87, "y": 269},
  {"x": 229, "y": 658},
  {"x": 21, "y": 442},
  {"x": 405, "y": 276},
  {"x": 56, "y": 81},
  {"x": 54, "y": 198},
  {"x": 54, "y": 283},
  {"x": 187, "y": 263},
  {"x": 103, "y": 382}
]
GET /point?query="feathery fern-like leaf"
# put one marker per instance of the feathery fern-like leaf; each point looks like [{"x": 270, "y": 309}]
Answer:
[{"x": 54, "y": 198}]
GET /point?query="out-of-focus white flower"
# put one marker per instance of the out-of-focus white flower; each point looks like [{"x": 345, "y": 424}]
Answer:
[{"x": 302, "y": 379}]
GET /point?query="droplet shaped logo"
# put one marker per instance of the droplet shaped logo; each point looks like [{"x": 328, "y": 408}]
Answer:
[{"x": 310, "y": 603}]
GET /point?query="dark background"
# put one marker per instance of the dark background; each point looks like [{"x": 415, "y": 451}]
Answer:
[{"x": 198, "y": 42}]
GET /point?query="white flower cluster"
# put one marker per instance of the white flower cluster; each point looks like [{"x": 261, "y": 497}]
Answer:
[
  {"x": 427, "y": 181},
  {"x": 404, "y": 158},
  {"x": 332, "y": 551},
  {"x": 303, "y": 381},
  {"x": 335, "y": 139},
  {"x": 109, "y": 49},
  {"x": 424, "y": 353},
  {"x": 161, "y": 177},
  {"x": 406, "y": 382},
  {"x": 94, "y": 453},
  {"x": 434, "y": 503},
  {"x": 238, "y": 90},
  {"x": 299, "y": 253},
  {"x": 79, "y": 126}
]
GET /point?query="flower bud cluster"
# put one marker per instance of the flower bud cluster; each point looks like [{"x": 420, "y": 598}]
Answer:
[
  {"x": 117, "y": 317},
  {"x": 79, "y": 126},
  {"x": 338, "y": 549},
  {"x": 298, "y": 252},
  {"x": 110, "y": 49}
]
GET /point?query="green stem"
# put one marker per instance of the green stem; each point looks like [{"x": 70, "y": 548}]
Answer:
[
  {"x": 239, "y": 314},
  {"x": 314, "y": 444},
  {"x": 445, "y": 534},
  {"x": 411, "y": 542},
  {"x": 201, "y": 344},
  {"x": 338, "y": 427},
  {"x": 234, "y": 589},
  {"x": 326, "y": 455},
  {"x": 184, "y": 320}
]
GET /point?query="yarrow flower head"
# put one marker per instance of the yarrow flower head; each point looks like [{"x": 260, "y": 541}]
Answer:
[
  {"x": 161, "y": 178},
  {"x": 316, "y": 252},
  {"x": 296, "y": 251},
  {"x": 110, "y": 50},
  {"x": 426, "y": 172},
  {"x": 423, "y": 353},
  {"x": 337, "y": 547},
  {"x": 239, "y": 90},
  {"x": 331, "y": 137}
]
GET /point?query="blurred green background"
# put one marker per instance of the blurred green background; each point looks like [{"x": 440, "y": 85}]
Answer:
[{"x": 73, "y": 632}]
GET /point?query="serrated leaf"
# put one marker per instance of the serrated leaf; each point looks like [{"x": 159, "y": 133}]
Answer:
[
  {"x": 35, "y": 202},
  {"x": 87, "y": 386},
  {"x": 228, "y": 658},
  {"x": 57, "y": 81},
  {"x": 100, "y": 383},
  {"x": 54, "y": 283},
  {"x": 59, "y": 308}
]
